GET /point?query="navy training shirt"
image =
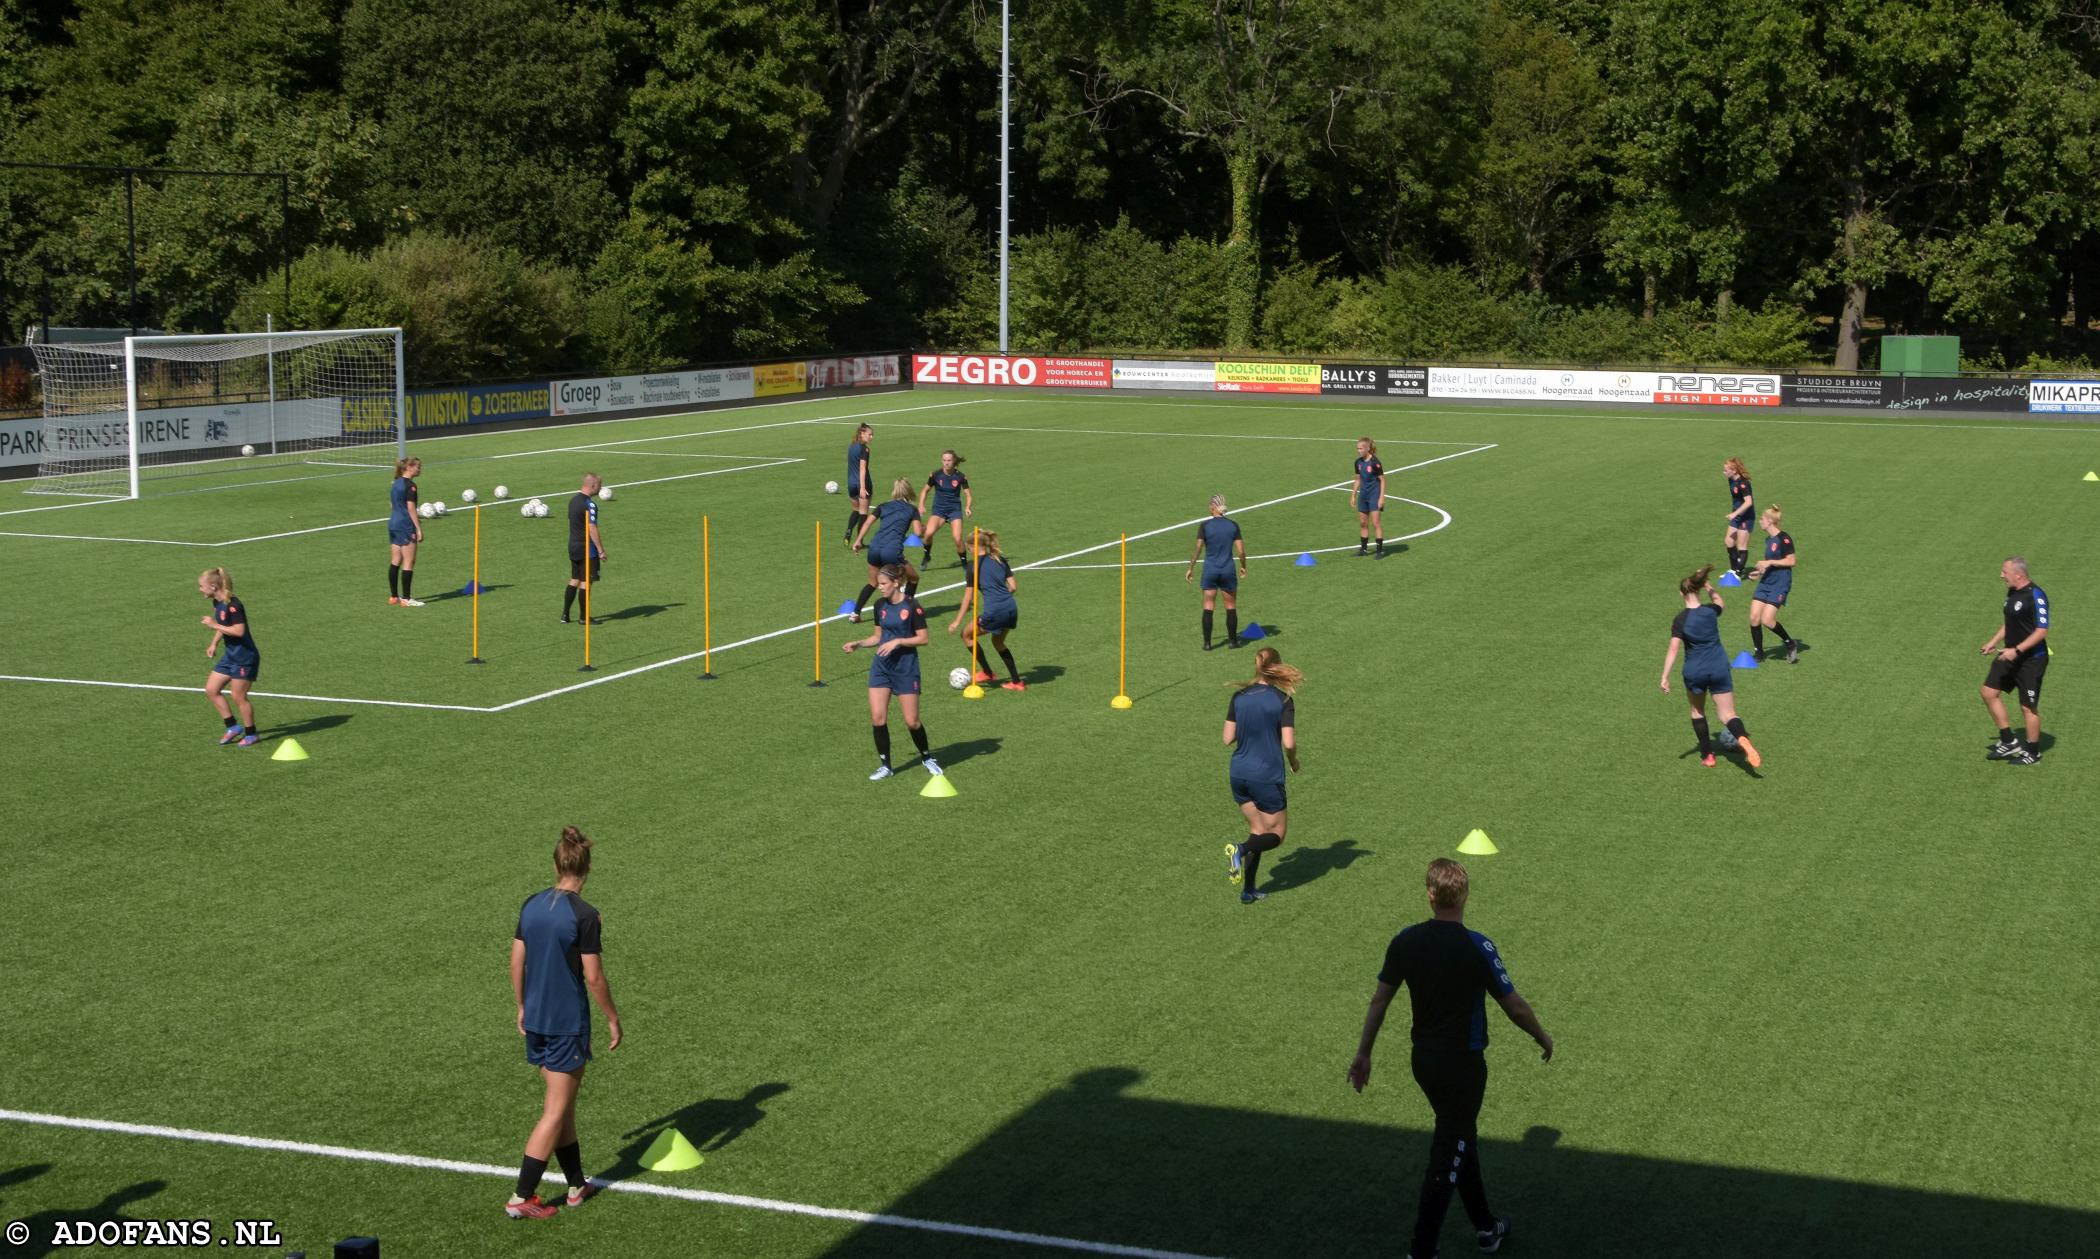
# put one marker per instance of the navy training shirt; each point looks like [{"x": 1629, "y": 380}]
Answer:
[
  {"x": 1218, "y": 534},
  {"x": 237, "y": 647},
  {"x": 558, "y": 928},
  {"x": 1778, "y": 547},
  {"x": 947, "y": 490},
  {"x": 1739, "y": 494},
  {"x": 901, "y": 619},
  {"x": 403, "y": 494},
  {"x": 1367, "y": 473},
  {"x": 1700, "y": 628},
  {"x": 1260, "y": 714},
  {"x": 856, "y": 464},
  {"x": 997, "y": 598},
  {"x": 2027, "y": 610},
  {"x": 582, "y": 509},
  {"x": 1448, "y": 969},
  {"x": 894, "y": 520}
]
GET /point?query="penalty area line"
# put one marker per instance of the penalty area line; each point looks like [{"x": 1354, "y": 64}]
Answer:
[{"x": 774, "y": 1205}]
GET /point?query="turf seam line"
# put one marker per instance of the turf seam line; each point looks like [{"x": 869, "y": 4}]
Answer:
[{"x": 774, "y": 1205}]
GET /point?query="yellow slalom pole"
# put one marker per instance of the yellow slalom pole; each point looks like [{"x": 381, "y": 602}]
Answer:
[
  {"x": 817, "y": 605},
  {"x": 1122, "y": 699},
  {"x": 475, "y": 657},
  {"x": 707, "y": 606},
  {"x": 588, "y": 667},
  {"x": 974, "y": 691}
]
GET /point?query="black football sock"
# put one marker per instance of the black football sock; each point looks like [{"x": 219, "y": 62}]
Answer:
[
  {"x": 1381, "y": 543},
  {"x": 918, "y": 739},
  {"x": 1013, "y": 671},
  {"x": 1206, "y": 627},
  {"x": 911, "y": 590},
  {"x": 1735, "y": 727},
  {"x": 571, "y": 1159},
  {"x": 231, "y": 723},
  {"x": 2004, "y": 733},
  {"x": 1699, "y": 727},
  {"x": 408, "y": 583},
  {"x": 568, "y": 601},
  {"x": 1363, "y": 543},
  {"x": 1250, "y": 864},
  {"x": 529, "y": 1173},
  {"x": 860, "y": 600},
  {"x": 1757, "y": 638},
  {"x": 1232, "y": 625},
  {"x": 1780, "y": 630},
  {"x": 882, "y": 743},
  {"x": 393, "y": 581},
  {"x": 852, "y": 522}
]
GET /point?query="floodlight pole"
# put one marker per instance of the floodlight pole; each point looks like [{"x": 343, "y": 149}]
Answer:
[{"x": 1005, "y": 159}]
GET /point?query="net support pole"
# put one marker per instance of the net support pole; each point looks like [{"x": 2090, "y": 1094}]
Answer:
[
  {"x": 474, "y": 591},
  {"x": 270, "y": 358},
  {"x": 816, "y": 622},
  {"x": 400, "y": 401},
  {"x": 973, "y": 690},
  {"x": 131, "y": 410},
  {"x": 1122, "y": 699},
  {"x": 707, "y": 606}
]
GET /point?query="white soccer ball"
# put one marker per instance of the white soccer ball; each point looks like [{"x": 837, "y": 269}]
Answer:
[
  {"x": 426, "y": 510},
  {"x": 440, "y": 506},
  {"x": 247, "y": 450},
  {"x": 605, "y": 495},
  {"x": 539, "y": 509},
  {"x": 958, "y": 678},
  {"x": 466, "y": 496},
  {"x": 831, "y": 487},
  {"x": 525, "y": 510},
  {"x": 503, "y": 491}
]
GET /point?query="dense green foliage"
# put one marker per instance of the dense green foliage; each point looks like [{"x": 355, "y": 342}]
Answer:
[{"x": 1762, "y": 181}]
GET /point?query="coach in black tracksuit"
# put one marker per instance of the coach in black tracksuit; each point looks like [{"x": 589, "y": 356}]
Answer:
[{"x": 1448, "y": 969}]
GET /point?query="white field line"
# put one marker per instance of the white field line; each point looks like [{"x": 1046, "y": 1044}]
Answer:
[
  {"x": 94, "y": 502},
  {"x": 691, "y": 656},
  {"x": 380, "y": 520},
  {"x": 593, "y": 447},
  {"x": 1439, "y": 526},
  {"x": 746, "y": 1201},
  {"x": 197, "y": 690}
]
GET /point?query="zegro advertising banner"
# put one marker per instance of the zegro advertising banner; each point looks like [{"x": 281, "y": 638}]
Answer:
[{"x": 1024, "y": 372}]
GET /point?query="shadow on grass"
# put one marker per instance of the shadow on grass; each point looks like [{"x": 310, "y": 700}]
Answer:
[
  {"x": 636, "y": 612},
  {"x": 461, "y": 593},
  {"x": 709, "y": 1125},
  {"x": 1041, "y": 674},
  {"x": 16, "y": 1175},
  {"x": 1089, "y": 1161},
  {"x": 952, "y": 754},
  {"x": 43, "y": 1226},
  {"x": 1159, "y": 690},
  {"x": 303, "y": 727},
  {"x": 1300, "y": 866}
]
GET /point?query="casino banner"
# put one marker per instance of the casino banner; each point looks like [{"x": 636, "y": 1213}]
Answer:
[
  {"x": 1014, "y": 371},
  {"x": 456, "y": 406},
  {"x": 1267, "y": 377},
  {"x": 1374, "y": 381},
  {"x": 1832, "y": 391},
  {"x": 2062, "y": 396}
]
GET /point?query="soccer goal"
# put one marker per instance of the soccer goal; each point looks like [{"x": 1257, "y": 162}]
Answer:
[{"x": 119, "y": 414}]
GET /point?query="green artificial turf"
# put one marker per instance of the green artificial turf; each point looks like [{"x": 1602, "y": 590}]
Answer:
[{"x": 1835, "y": 1008}]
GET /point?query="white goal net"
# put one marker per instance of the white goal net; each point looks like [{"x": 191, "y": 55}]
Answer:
[{"x": 122, "y": 414}]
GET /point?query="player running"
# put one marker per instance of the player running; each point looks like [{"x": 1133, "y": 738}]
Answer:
[
  {"x": 900, "y": 632},
  {"x": 891, "y": 523},
  {"x": 951, "y": 503},
  {"x": 999, "y": 613},
  {"x": 1742, "y": 514},
  {"x": 1775, "y": 578},
  {"x": 1697, "y": 632},
  {"x": 240, "y": 664},
  {"x": 404, "y": 530},
  {"x": 1261, "y": 728},
  {"x": 1218, "y": 542},
  {"x": 860, "y": 481},
  {"x": 1370, "y": 497},
  {"x": 554, "y": 960}
]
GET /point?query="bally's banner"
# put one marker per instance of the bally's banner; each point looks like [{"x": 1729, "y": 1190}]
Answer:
[
  {"x": 1384, "y": 382},
  {"x": 1022, "y": 372},
  {"x": 1268, "y": 377},
  {"x": 664, "y": 389},
  {"x": 2063, "y": 396}
]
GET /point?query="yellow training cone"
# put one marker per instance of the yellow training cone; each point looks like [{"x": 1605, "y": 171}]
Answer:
[
  {"x": 671, "y": 1152},
  {"x": 1477, "y": 844},
  {"x": 938, "y": 787},
  {"x": 1120, "y": 701},
  {"x": 289, "y": 750},
  {"x": 2092, "y": 476}
]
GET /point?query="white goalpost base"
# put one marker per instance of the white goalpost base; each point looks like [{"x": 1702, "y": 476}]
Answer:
[{"x": 119, "y": 415}]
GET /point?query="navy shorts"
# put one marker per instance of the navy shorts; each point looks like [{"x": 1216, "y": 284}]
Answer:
[
  {"x": 1772, "y": 592},
  {"x": 999, "y": 622},
  {"x": 399, "y": 533},
  {"x": 1266, "y": 797},
  {"x": 1226, "y": 581},
  {"x": 1722, "y": 683},
  {"x": 2023, "y": 676},
  {"x": 246, "y": 670},
  {"x": 576, "y": 567},
  {"x": 883, "y": 559},
  {"x": 857, "y": 482},
  {"x": 565, "y": 1054},
  {"x": 947, "y": 511},
  {"x": 900, "y": 676},
  {"x": 1367, "y": 500},
  {"x": 1745, "y": 522}
]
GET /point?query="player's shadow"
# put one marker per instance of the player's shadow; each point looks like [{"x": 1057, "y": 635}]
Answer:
[
  {"x": 16, "y": 1175},
  {"x": 447, "y": 595},
  {"x": 1096, "y": 1161},
  {"x": 709, "y": 1125},
  {"x": 304, "y": 726},
  {"x": 952, "y": 754},
  {"x": 1300, "y": 866},
  {"x": 1729, "y": 757},
  {"x": 1038, "y": 675},
  {"x": 44, "y": 1224},
  {"x": 635, "y": 612},
  {"x": 1159, "y": 690}
]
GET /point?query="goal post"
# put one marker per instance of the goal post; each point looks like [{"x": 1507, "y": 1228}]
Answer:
[{"x": 120, "y": 416}]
